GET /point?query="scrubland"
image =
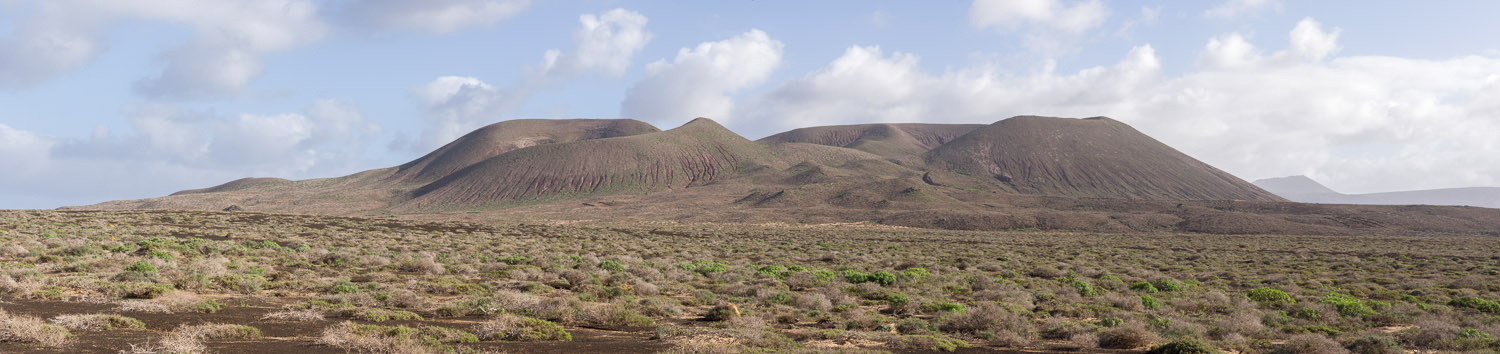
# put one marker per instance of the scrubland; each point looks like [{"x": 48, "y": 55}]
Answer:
[{"x": 198, "y": 282}]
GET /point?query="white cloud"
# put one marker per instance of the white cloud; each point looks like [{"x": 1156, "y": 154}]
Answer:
[
  {"x": 699, "y": 81},
  {"x": 1236, "y": 8},
  {"x": 1311, "y": 43},
  {"x": 1048, "y": 27},
  {"x": 433, "y": 16},
  {"x": 172, "y": 149},
  {"x": 605, "y": 43},
  {"x": 1010, "y": 14},
  {"x": 224, "y": 55},
  {"x": 22, "y": 152},
  {"x": 456, "y": 105},
  {"x": 1359, "y": 123}
]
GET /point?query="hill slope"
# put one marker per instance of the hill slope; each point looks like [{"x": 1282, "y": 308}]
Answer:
[
  {"x": 1305, "y": 190},
  {"x": 506, "y": 136},
  {"x": 697, "y": 153},
  {"x": 892, "y": 141},
  {"x": 1093, "y": 157}
]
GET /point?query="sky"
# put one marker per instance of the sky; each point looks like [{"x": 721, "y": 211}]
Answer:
[{"x": 122, "y": 99}]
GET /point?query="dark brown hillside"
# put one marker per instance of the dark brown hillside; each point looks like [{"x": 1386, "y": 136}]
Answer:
[
  {"x": 697, "y": 153},
  {"x": 891, "y": 141},
  {"x": 1093, "y": 157},
  {"x": 502, "y": 137}
]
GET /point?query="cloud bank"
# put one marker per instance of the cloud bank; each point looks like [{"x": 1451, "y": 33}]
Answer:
[{"x": 1362, "y": 123}]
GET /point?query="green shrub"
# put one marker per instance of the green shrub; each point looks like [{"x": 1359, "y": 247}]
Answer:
[
  {"x": 210, "y": 306},
  {"x": 1473, "y": 333},
  {"x": 951, "y": 307},
  {"x": 611, "y": 266},
  {"x": 704, "y": 267},
  {"x": 1270, "y": 297},
  {"x": 1149, "y": 302},
  {"x": 881, "y": 277},
  {"x": 916, "y": 274},
  {"x": 343, "y": 287},
  {"x": 1110, "y": 322},
  {"x": 1347, "y": 305},
  {"x": 935, "y": 342},
  {"x": 1476, "y": 303},
  {"x": 141, "y": 267},
  {"x": 382, "y": 315},
  {"x": 1084, "y": 288},
  {"x": 1168, "y": 285},
  {"x": 1184, "y": 347},
  {"x": 1144, "y": 286},
  {"x": 897, "y": 299}
]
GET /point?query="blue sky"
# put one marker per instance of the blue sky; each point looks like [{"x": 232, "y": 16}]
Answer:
[{"x": 104, "y": 99}]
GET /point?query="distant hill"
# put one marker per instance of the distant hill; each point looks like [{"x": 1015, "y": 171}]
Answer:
[
  {"x": 1094, "y": 157},
  {"x": 1093, "y": 174},
  {"x": 697, "y": 153},
  {"x": 894, "y": 141},
  {"x": 1303, "y": 189},
  {"x": 499, "y": 138}
]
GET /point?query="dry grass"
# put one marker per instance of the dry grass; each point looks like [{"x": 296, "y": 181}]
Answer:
[
  {"x": 98, "y": 321},
  {"x": 24, "y": 329},
  {"x": 307, "y": 315}
]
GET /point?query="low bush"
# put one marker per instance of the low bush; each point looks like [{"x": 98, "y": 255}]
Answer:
[
  {"x": 508, "y": 327},
  {"x": 1269, "y": 297},
  {"x": 1184, "y": 347},
  {"x": 98, "y": 321},
  {"x": 31, "y": 330}
]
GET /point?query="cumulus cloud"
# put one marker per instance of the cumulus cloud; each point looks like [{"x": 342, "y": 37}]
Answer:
[
  {"x": 1309, "y": 42},
  {"x": 1049, "y": 25},
  {"x": 1359, "y": 123},
  {"x": 1236, "y": 8},
  {"x": 432, "y": 16},
  {"x": 1074, "y": 18},
  {"x": 22, "y": 152},
  {"x": 170, "y": 149},
  {"x": 455, "y": 105},
  {"x": 605, "y": 43},
  {"x": 230, "y": 37},
  {"x": 698, "y": 82}
]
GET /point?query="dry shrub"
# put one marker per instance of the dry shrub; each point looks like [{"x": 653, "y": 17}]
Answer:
[
  {"x": 1084, "y": 340},
  {"x": 1009, "y": 339},
  {"x": 307, "y": 315},
  {"x": 813, "y": 301},
  {"x": 1243, "y": 323},
  {"x": 644, "y": 288},
  {"x": 989, "y": 317},
  {"x": 1125, "y": 302},
  {"x": 1126, "y": 337},
  {"x": 171, "y": 302},
  {"x": 1434, "y": 333},
  {"x": 22, "y": 289},
  {"x": 32, "y": 330},
  {"x": 424, "y": 263},
  {"x": 346, "y": 335},
  {"x": 1057, "y": 328},
  {"x": 512, "y": 327},
  {"x": 188, "y": 339},
  {"x": 98, "y": 321},
  {"x": 1312, "y": 344},
  {"x": 14, "y": 251}
]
